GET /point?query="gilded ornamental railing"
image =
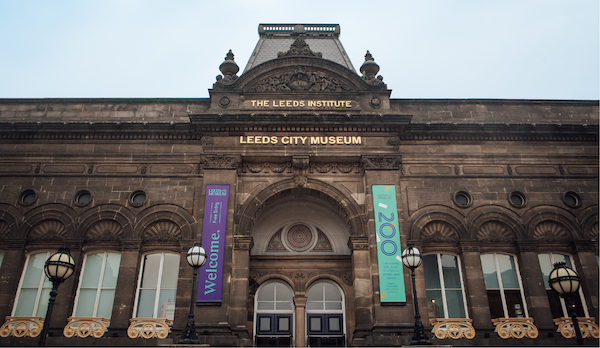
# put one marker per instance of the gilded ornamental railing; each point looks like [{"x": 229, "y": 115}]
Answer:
[
  {"x": 515, "y": 327},
  {"x": 587, "y": 326},
  {"x": 22, "y": 326},
  {"x": 453, "y": 328},
  {"x": 85, "y": 327},
  {"x": 149, "y": 327}
]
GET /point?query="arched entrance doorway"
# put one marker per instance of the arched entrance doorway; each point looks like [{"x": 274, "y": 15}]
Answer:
[
  {"x": 274, "y": 315},
  {"x": 325, "y": 313}
]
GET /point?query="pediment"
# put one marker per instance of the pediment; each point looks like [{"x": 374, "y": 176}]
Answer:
[{"x": 299, "y": 79}]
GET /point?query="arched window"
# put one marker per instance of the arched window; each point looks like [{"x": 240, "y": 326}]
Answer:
[
  {"x": 97, "y": 285},
  {"x": 274, "y": 314},
  {"x": 325, "y": 314},
  {"x": 34, "y": 288},
  {"x": 444, "y": 286},
  {"x": 504, "y": 286},
  {"x": 557, "y": 303},
  {"x": 157, "y": 286}
]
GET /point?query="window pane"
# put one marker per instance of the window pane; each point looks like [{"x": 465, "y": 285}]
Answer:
[
  {"x": 334, "y": 324},
  {"x": 91, "y": 270},
  {"x": 1, "y": 257},
  {"x": 333, "y": 305},
  {"x": 315, "y": 293},
  {"x": 284, "y": 324},
  {"x": 85, "y": 303},
  {"x": 489, "y": 272},
  {"x": 43, "y": 302},
  {"x": 283, "y": 293},
  {"x": 315, "y": 324},
  {"x": 105, "y": 304},
  {"x": 283, "y": 305},
  {"x": 150, "y": 271},
  {"x": 546, "y": 266},
  {"x": 451, "y": 272},
  {"x": 34, "y": 271},
  {"x": 111, "y": 270},
  {"x": 265, "y": 324},
  {"x": 435, "y": 305},
  {"x": 456, "y": 306},
  {"x": 332, "y": 293},
  {"x": 170, "y": 272},
  {"x": 495, "y": 302},
  {"x": 314, "y": 305},
  {"x": 166, "y": 304},
  {"x": 146, "y": 300},
  {"x": 508, "y": 271},
  {"x": 26, "y": 302},
  {"x": 267, "y": 292},
  {"x": 432, "y": 275},
  {"x": 266, "y": 305}
]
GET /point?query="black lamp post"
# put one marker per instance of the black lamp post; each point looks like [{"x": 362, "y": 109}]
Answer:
[
  {"x": 196, "y": 257},
  {"x": 58, "y": 268},
  {"x": 565, "y": 282},
  {"x": 411, "y": 258}
]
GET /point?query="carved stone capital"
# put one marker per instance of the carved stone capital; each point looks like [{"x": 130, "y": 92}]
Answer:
[
  {"x": 382, "y": 162},
  {"x": 220, "y": 162},
  {"x": 358, "y": 243},
  {"x": 243, "y": 243}
]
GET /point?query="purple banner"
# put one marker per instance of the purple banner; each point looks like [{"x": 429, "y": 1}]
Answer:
[{"x": 210, "y": 277}]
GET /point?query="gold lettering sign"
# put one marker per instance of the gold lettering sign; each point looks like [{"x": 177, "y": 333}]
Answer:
[
  {"x": 299, "y": 104},
  {"x": 299, "y": 140}
]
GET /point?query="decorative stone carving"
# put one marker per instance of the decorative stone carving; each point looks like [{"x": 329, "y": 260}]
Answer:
[
  {"x": 323, "y": 243},
  {"x": 381, "y": 162},
  {"x": 266, "y": 167},
  {"x": 358, "y": 244},
  {"x": 304, "y": 80},
  {"x": 162, "y": 231},
  {"x": 393, "y": 141},
  {"x": 220, "y": 162},
  {"x": 229, "y": 70},
  {"x": 207, "y": 140},
  {"x": 50, "y": 230},
  {"x": 369, "y": 69},
  {"x": 551, "y": 231},
  {"x": 300, "y": 180},
  {"x": 334, "y": 167},
  {"x": 22, "y": 326},
  {"x": 438, "y": 231},
  {"x": 494, "y": 231},
  {"x": 453, "y": 328},
  {"x": 275, "y": 244},
  {"x": 149, "y": 328},
  {"x": 299, "y": 48},
  {"x": 243, "y": 242},
  {"x": 299, "y": 237},
  {"x": 592, "y": 232},
  {"x": 587, "y": 327},
  {"x": 85, "y": 327},
  {"x": 105, "y": 230},
  {"x": 515, "y": 328}
]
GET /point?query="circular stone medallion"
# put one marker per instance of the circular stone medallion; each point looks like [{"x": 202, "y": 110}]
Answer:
[{"x": 299, "y": 237}]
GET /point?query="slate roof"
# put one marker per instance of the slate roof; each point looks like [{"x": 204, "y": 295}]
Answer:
[{"x": 275, "y": 38}]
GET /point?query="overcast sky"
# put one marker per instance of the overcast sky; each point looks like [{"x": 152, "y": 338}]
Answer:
[{"x": 426, "y": 49}]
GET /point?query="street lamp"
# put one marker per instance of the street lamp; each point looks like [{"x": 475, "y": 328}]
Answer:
[
  {"x": 411, "y": 258},
  {"x": 565, "y": 282},
  {"x": 196, "y": 257},
  {"x": 58, "y": 268}
]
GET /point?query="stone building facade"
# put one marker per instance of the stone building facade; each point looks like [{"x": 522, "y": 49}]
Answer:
[{"x": 491, "y": 191}]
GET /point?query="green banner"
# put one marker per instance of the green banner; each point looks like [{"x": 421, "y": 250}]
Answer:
[{"x": 389, "y": 261}]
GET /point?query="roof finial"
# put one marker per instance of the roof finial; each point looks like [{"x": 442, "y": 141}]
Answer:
[
  {"x": 369, "y": 69},
  {"x": 229, "y": 70}
]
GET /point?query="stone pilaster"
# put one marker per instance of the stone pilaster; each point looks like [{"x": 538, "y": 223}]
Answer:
[
  {"x": 477, "y": 294},
  {"x": 125, "y": 291},
  {"x": 300, "y": 304},
  {"x": 535, "y": 290},
  {"x": 238, "y": 312},
  {"x": 363, "y": 290}
]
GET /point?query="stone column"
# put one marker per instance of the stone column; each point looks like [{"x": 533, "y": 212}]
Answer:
[
  {"x": 586, "y": 264},
  {"x": 63, "y": 307},
  {"x": 10, "y": 274},
  {"x": 238, "y": 312},
  {"x": 300, "y": 303},
  {"x": 363, "y": 290},
  {"x": 534, "y": 287},
  {"x": 125, "y": 291},
  {"x": 477, "y": 299}
]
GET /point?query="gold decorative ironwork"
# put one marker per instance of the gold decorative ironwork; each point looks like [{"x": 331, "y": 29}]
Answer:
[
  {"x": 149, "y": 327},
  {"x": 515, "y": 327},
  {"x": 22, "y": 326},
  {"x": 453, "y": 328},
  {"x": 85, "y": 327},
  {"x": 587, "y": 326}
]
